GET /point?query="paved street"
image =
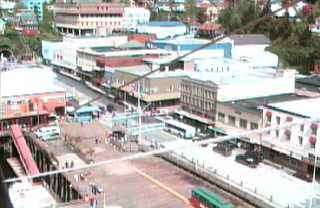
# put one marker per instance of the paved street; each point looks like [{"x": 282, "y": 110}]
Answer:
[{"x": 83, "y": 92}]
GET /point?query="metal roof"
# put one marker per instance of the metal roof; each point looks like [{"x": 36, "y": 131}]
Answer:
[{"x": 250, "y": 39}]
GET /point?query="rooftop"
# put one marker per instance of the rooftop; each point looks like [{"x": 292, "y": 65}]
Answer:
[
  {"x": 250, "y": 39},
  {"x": 251, "y": 105},
  {"x": 183, "y": 40},
  {"x": 108, "y": 52},
  {"x": 143, "y": 69},
  {"x": 304, "y": 107},
  {"x": 28, "y": 80},
  {"x": 313, "y": 80},
  {"x": 165, "y": 24}
]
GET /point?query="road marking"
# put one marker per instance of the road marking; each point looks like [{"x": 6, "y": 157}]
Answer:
[{"x": 161, "y": 185}]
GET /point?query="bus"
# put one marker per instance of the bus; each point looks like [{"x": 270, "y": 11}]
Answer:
[
  {"x": 180, "y": 129},
  {"x": 202, "y": 198}
]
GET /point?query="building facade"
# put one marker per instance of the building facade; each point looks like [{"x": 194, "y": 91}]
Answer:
[
  {"x": 36, "y": 6},
  {"x": 134, "y": 17},
  {"x": 201, "y": 91},
  {"x": 161, "y": 89},
  {"x": 297, "y": 142},
  {"x": 30, "y": 97},
  {"x": 199, "y": 98},
  {"x": 88, "y": 18}
]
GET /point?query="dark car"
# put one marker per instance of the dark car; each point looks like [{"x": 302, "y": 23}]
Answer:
[{"x": 110, "y": 108}]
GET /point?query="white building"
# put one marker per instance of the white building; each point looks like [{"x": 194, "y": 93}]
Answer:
[
  {"x": 291, "y": 10},
  {"x": 66, "y": 55},
  {"x": 251, "y": 48},
  {"x": 164, "y": 29},
  {"x": 297, "y": 141},
  {"x": 7, "y": 5},
  {"x": 238, "y": 84},
  {"x": 134, "y": 17}
]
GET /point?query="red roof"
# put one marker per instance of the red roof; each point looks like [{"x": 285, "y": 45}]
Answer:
[
  {"x": 190, "y": 21},
  {"x": 204, "y": 5},
  {"x": 210, "y": 26}
]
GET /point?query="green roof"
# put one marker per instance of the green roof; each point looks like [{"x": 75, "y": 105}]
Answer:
[{"x": 212, "y": 198}]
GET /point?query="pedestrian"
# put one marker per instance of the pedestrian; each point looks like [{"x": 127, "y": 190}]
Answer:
[{"x": 97, "y": 140}]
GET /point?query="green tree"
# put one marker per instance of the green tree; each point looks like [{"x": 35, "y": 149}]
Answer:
[{"x": 230, "y": 19}]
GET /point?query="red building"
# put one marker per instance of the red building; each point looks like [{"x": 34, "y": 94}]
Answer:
[{"x": 30, "y": 98}]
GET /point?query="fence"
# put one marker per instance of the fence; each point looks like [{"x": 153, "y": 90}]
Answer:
[{"x": 225, "y": 182}]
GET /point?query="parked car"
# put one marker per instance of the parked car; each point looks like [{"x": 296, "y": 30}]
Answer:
[
  {"x": 250, "y": 159},
  {"x": 48, "y": 133}
]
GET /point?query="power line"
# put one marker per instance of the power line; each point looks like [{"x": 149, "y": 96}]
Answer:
[
  {"x": 175, "y": 60},
  {"x": 219, "y": 139},
  {"x": 164, "y": 150}
]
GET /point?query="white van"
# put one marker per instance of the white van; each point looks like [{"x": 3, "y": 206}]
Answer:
[{"x": 48, "y": 133}]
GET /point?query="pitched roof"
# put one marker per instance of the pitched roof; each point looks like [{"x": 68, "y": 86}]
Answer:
[{"x": 250, "y": 39}]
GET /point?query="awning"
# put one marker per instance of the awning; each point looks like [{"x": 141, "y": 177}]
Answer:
[
  {"x": 218, "y": 130},
  {"x": 194, "y": 117}
]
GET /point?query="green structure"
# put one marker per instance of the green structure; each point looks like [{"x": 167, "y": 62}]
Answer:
[{"x": 209, "y": 199}]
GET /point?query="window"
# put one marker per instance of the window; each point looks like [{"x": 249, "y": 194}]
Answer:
[
  {"x": 300, "y": 140},
  {"x": 277, "y": 133},
  {"x": 243, "y": 123},
  {"x": 232, "y": 120},
  {"x": 314, "y": 130},
  {"x": 302, "y": 128},
  {"x": 269, "y": 118},
  {"x": 221, "y": 117},
  {"x": 278, "y": 119},
  {"x": 253, "y": 126}
]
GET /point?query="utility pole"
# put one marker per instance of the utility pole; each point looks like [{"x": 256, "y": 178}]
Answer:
[
  {"x": 139, "y": 111},
  {"x": 316, "y": 149}
]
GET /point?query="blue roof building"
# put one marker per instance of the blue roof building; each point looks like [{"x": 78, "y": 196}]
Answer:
[
  {"x": 188, "y": 44},
  {"x": 87, "y": 113}
]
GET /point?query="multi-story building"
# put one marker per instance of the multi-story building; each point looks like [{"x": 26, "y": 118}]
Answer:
[
  {"x": 243, "y": 115},
  {"x": 294, "y": 146},
  {"x": 29, "y": 97},
  {"x": 134, "y": 17},
  {"x": 88, "y": 18},
  {"x": 26, "y": 22},
  {"x": 198, "y": 100},
  {"x": 36, "y": 6},
  {"x": 201, "y": 91},
  {"x": 161, "y": 89},
  {"x": 64, "y": 54},
  {"x": 7, "y": 6},
  {"x": 96, "y": 63}
]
